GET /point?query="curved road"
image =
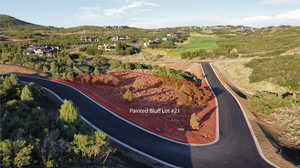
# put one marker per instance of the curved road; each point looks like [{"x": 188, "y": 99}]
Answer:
[{"x": 235, "y": 149}]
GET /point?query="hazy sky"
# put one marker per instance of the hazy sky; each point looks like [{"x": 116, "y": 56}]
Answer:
[{"x": 154, "y": 13}]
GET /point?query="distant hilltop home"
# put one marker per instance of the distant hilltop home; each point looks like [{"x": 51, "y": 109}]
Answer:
[
  {"x": 207, "y": 29},
  {"x": 241, "y": 29},
  {"x": 108, "y": 47},
  {"x": 165, "y": 39},
  {"x": 152, "y": 42},
  {"x": 173, "y": 35},
  {"x": 42, "y": 50},
  {"x": 116, "y": 27},
  {"x": 89, "y": 39},
  {"x": 245, "y": 29},
  {"x": 118, "y": 38}
]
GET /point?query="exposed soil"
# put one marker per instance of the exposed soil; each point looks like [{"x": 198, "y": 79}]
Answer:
[
  {"x": 154, "y": 107},
  {"x": 5, "y": 69}
]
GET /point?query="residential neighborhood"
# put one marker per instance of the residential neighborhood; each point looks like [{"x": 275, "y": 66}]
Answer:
[
  {"x": 159, "y": 93},
  {"x": 42, "y": 50},
  {"x": 107, "y": 47},
  {"x": 120, "y": 38},
  {"x": 89, "y": 38}
]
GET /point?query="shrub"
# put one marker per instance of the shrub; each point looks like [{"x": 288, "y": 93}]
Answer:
[
  {"x": 124, "y": 49},
  {"x": 194, "y": 122},
  {"x": 176, "y": 84},
  {"x": 68, "y": 112},
  {"x": 115, "y": 63},
  {"x": 190, "y": 95},
  {"x": 107, "y": 79},
  {"x": 130, "y": 66},
  {"x": 10, "y": 81},
  {"x": 139, "y": 84},
  {"x": 23, "y": 157},
  {"x": 93, "y": 51},
  {"x": 193, "y": 54},
  {"x": 281, "y": 70},
  {"x": 128, "y": 96},
  {"x": 265, "y": 103},
  {"x": 26, "y": 94},
  {"x": 86, "y": 79},
  {"x": 165, "y": 44}
]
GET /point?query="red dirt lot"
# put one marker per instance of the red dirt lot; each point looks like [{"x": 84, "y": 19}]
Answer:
[{"x": 153, "y": 107}]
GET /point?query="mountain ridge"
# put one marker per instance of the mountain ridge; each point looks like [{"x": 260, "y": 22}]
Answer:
[{"x": 7, "y": 21}]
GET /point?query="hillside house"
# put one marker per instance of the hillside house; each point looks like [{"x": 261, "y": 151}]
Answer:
[
  {"x": 207, "y": 29},
  {"x": 42, "y": 50},
  {"x": 108, "y": 47},
  {"x": 152, "y": 42},
  {"x": 245, "y": 29},
  {"x": 173, "y": 35},
  {"x": 120, "y": 38},
  {"x": 89, "y": 39}
]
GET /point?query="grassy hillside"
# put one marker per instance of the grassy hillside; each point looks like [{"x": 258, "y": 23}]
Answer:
[
  {"x": 282, "y": 70},
  {"x": 282, "y": 109},
  {"x": 201, "y": 42},
  {"x": 196, "y": 43},
  {"x": 266, "y": 41},
  {"x": 11, "y": 22}
]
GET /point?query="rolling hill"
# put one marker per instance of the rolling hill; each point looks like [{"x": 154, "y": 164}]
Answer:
[{"x": 11, "y": 22}]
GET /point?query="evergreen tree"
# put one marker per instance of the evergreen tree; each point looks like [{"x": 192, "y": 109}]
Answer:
[
  {"x": 23, "y": 157},
  {"x": 26, "y": 94},
  {"x": 53, "y": 68},
  {"x": 128, "y": 96},
  {"x": 96, "y": 71},
  {"x": 68, "y": 112},
  {"x": 10, "y": 81}
]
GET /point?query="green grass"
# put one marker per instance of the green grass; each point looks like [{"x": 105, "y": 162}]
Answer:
[
  {"x": 11, "y": 22},
  {"x": 267, "y": 41},
  {"x": 281, "y": 70},
  {"x": 265, "y": 103},
  {"x": 196, "y": 43},
  {"x": 201, "y": 42}
]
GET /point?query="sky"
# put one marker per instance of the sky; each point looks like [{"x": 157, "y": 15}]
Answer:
[{"x": 154, "y": 13}]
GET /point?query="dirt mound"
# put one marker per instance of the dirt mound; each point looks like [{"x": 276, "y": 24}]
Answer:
[{"x": 154, "y": 105}]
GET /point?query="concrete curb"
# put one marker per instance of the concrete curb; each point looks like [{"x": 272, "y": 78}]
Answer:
[
  {"x": 114, "y": 139},
  {"x": 247, "y": 121},
  {"x": 135, "y": 125},
  {"x": 217, "y": 138}
]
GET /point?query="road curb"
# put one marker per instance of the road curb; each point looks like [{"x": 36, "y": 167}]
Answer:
[
  {"x": 133, "y": 124},
  {"x": 114, "y": 139},
  {"x": 247, "y": 120}
]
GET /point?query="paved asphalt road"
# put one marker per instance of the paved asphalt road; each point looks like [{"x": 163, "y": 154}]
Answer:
[{"x": 235, "y": 149}]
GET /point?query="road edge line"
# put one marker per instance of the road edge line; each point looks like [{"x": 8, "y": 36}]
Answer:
[
  {"x": 247, "y": 121},
  {"x": 125, "y": 120},
  {"x": 217, "y": 110},
  {"x": 114, "y": 139}
]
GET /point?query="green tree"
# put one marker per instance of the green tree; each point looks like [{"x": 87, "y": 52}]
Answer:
[
  {"x": 6, "y": 152},
  {"x": 91, "y": 146},
  {"x": 26, "y": 94},
  {"x": 53, "y": 67},
  {"x": 128, "y": 96},
  {"x": 96, "y": 71},
  {"x": 10, "y": 81},
  {"x": 68, "y": 112},
  {"x": 23, "y": 157}
]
